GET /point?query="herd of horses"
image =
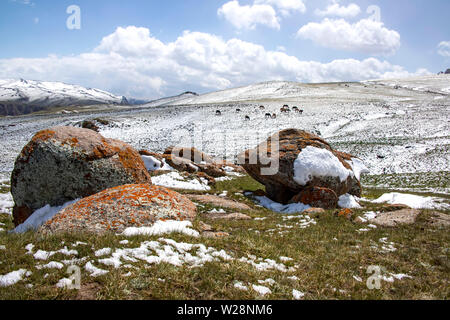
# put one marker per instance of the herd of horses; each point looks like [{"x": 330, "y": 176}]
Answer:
[{"x": 284, "y": 109}]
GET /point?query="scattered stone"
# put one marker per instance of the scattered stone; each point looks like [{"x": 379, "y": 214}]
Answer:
[
  {"x": 203, "y": 227},
  {"x": 228, "y": 216},
  {"x": 215, "y": 235},
  {"x": 122, "y": 207},
  {"x": 219, "y": 201},
  {"x": 66, "y": 163},
  {"x": 314, "y": 212},
  {"x": 395, "y": 218},
  {"x": 345, "y": 213},
  {"x": 439, "y": 219}
]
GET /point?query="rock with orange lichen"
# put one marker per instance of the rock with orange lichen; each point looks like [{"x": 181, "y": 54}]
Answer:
[
  {"x": 66, "y": 163},
  {"x": 272, "y": 164},
  {"x": 115, "y": 209}
]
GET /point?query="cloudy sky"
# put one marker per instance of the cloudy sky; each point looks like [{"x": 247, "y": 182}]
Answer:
[{"x": 150, "y": 49}]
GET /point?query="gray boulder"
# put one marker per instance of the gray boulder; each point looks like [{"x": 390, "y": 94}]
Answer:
[{"x": 66, "y": 163}]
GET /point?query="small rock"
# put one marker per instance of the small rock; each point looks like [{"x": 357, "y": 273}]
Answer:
[
  {"x": 204, "y": 227},
  {"x": 215, "y": 235},
  {"x": 314, "y": 212},
  {"x": 345, "y": 213},
  {"x": 229, "y": 216},
  {"x": 395, "y": 218}
]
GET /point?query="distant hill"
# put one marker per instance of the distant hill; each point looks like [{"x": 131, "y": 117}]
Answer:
[
  {"x": 172, "y": 99},
  {"x": 26, "y": 96}
]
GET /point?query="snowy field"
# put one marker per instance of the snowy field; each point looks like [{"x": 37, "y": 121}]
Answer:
[{"x": 394, "y": 126}]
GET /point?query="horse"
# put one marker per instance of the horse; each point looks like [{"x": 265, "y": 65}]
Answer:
[
  {"x": 247, "y": 118},
  {"x": 218, "y": 113},
  {"x": 268, "y": 116}
]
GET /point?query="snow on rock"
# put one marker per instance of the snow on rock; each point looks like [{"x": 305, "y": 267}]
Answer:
[
  {"x": 281, "y": 208},
  {"x": 13, "y": 277},
  {"x": 348, "y": 201},
  {"x": 176, "y": 181},
  {"x": 153, "y": 164},
  {"x": 163, "y": 227},
  {"x": 358, "y": 167},
  {"x": 317, "y": 162},
  {"x": 41, "y": 216},
  {"x": 413, "y": 201}
]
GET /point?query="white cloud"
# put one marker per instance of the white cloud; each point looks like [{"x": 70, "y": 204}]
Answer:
[
  {"x": 248, "y": 17},
  {"x": 134, "y": 63},
  {"x": 352, "y": 10},
  {"x": 367, "y": 36},
  {"x": 444, "y": 48},
  {"x": 285, "y": 7}
]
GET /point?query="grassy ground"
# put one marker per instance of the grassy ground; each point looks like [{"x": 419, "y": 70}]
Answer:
[{"x": 330, "y": 260}]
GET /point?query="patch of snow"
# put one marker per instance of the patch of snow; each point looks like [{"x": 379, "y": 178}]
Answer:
[
  {"x": 163, "y": 227},
  {"x": 94, "y": 271},
  {"x": 12, "y": 277},
  {"x": 281, "y": 208},
  {"x": 348, "y": 201},
  {"x": 413, "y": 201},
  {"x": 6, "y": 203},
  {"x": 103, "y": 252},
  {"x": 261, "y": 290},
  {"x": 315, "y": 162},
  {"x": 41, "y": 216},
  {"x": 51, "y": 265},
  {"x": 298, "y": 295},
  {"x": 176, "y": 181},
  {"x": 269, "y": 281},
  {"x": 239, "y": 285},
  {"x": 64, "y": 283},
  {"x": 358, "y": 167}
]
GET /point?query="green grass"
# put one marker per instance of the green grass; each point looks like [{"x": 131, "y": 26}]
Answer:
[{"x": 326, "y": 255}]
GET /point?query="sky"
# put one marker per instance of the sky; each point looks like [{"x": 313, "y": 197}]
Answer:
[{"x": 150, "y": 49}]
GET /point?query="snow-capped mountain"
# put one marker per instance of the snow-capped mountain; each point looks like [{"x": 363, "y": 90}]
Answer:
[{"x": 26, "y": 96}]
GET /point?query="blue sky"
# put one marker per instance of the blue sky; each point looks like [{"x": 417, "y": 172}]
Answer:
[{"x": 149, "y": 49}]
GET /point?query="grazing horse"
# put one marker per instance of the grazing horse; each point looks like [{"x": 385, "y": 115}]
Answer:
[
  {"x": 262, "y": 108},
  {"x": 274, "y": 116},
  {"x": 285, "y": 109},
  {"x": 268, "y": 116},
  {"x": 218, "y": 113},
  {"x": 247, "y": 118},
  {"x": 238, "y": 110}
]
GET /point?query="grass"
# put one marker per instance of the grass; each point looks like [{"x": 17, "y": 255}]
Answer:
[{"x": 326, "y": 257}]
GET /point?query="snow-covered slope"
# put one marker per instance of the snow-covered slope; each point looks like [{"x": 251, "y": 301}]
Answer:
[
  {"x": 25, "y": 96},
  {"x": 431, "y": 84},
  {"x": 171, "y": 100},
  {"x": 272, "y": 91}
]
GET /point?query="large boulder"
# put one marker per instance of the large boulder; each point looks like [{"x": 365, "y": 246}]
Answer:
[
  {"x": 297, "y": 165},
  {"x": 115, "y": 209},
  {"x": 66, "y": 163}
]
